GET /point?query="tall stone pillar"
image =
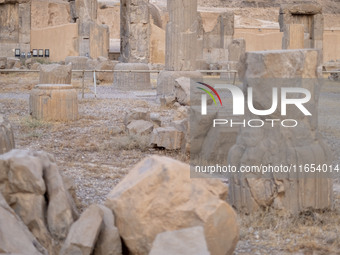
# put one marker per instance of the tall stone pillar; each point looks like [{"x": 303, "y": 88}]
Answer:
[
  {"x": 300, "y": 149},
  {"x": 181, "y": 44},
  {"x": 134, "y": 48}
]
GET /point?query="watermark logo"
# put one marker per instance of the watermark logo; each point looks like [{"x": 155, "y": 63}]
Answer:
[{"x": 239, "y": 100}]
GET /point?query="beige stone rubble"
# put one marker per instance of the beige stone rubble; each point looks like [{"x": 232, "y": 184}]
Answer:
[
  {"x": 174, "y": 201},
  {"x": 84, "y": 232}
]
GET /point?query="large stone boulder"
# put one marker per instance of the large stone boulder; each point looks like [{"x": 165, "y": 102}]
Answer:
[
  {"x": 32, "y": 186},
  {"x": 6, "y": 135},
  {"x": 55, "y": 74},
  {"x": 84, "y": 232},
  {"x": 165, "y": 198},
  {"x": 15, "y": 236},
  {"x": 108, "y": 242}
]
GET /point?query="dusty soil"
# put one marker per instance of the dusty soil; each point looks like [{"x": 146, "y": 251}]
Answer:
[{"x": 96, "y": 153}]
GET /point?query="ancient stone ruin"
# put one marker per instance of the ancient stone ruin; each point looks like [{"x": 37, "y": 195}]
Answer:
[
  {"x": 54, "y": 99},
  {"x": 135, "y": 43},
  {"x": 6, "y": 135},
  {"x": 181, "y": 45},
  {"x": 293, "y": 192},
  {"x": 63, "y": 27},
  {"x": 302, "y": 25}
]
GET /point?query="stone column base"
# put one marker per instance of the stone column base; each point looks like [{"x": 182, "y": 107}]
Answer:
[
  {"x": 129, "y": 81},
  {"x": 166, "y": 80},
  {"x": 54, "y": 102}
]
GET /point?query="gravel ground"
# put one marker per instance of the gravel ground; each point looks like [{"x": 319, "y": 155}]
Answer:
[{"x": 95, "y": 153}]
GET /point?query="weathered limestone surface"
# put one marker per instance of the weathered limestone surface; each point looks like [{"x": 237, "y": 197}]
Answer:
[
  {"x": 32, "y": 186},
  {"x": 55, "y": 74},
  {"x": 309, "y": 14},
  {"x": 84, "y": 232},
  {"x": 105, "y": 65},
  {"x": 108, "y": 242},
  {"x": 294, "y": 37},
  {"x": 135, "y": 31},
  {"x": 6, "y": 136},
  {"x": 185, "y": 241},
  {"x": 15, "y": 24},
  {"x": 140, "y": 127},
  {"x": 54, "y": 102},
  {"x": 136, "y": 114},
  {"x": 78, "y": 62},
  {"x": 166, "y": 81},
  {"x": 15, "y": 236},
  {"x": 174, "y": 201},
  {"x": 167, "y": 137},
  {"x": 181, "y": 36},
  {"x": 135, "y": 46},
  {"x": 127, "y": 81},
  {"x": 221, "y": 35},
  {"x": 275, "y": 146}
]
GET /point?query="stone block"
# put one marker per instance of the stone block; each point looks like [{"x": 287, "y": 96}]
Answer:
[
  {"x": 166, "y": 81},
  {"x": 136, "y": 114},
  {"x": 140, "y": 127},
  {"x": 78, "y": 63},
  {"x": 53, "y": 102},
  {"x": 84, "y": 232},
  {"x": 55, "y": 74},
  {"x": 130, "y": 81},
  {"x": 167, "y": 137}
]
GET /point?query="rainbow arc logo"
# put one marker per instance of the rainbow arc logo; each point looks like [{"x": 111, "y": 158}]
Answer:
[{"x": 209, "y": 93}]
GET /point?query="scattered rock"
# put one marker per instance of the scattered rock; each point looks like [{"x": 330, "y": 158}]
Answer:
[
  {"x": 185, "y": 242},
  {"x": 156, "y": 119},
  {"x": 167, "y": 137},
  {"x": 30, "y": 183},
  {"x": 60, "y": 213},
  {"x": 136, "y": 114},
  {"x": 84, "y": 232},
  {"x": 13, "y": 63},
  {"x": 140, "y": 127},
  {"x": 109, "y": 242},
  {"x": 165, "y": 198},
  {"x": 182, "y": 90}
]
